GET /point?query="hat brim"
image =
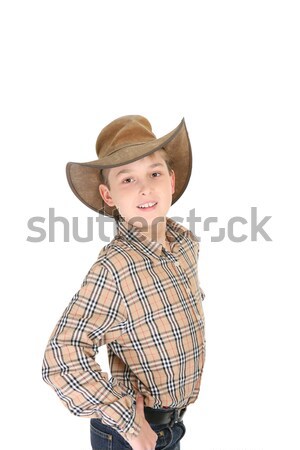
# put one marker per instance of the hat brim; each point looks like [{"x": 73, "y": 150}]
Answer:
[{"x": 84, "y": 178}]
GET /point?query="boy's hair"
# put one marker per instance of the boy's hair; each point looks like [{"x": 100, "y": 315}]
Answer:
[{"x": 103, "y": 175}]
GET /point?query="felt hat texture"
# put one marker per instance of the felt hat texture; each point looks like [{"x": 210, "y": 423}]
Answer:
[{"x": 121, "y": 142}]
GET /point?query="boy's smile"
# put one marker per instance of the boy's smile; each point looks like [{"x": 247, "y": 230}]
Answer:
[{"x": 142, "y": 192}]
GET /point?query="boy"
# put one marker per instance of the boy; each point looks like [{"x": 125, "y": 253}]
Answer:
[{"x": 141, "y": 298}]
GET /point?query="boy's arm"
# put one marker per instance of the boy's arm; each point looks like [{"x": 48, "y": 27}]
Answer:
[{"x": 95, "y": 316}]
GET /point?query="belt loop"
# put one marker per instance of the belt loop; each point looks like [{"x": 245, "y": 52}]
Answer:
[{"x": 174, "y": 418}]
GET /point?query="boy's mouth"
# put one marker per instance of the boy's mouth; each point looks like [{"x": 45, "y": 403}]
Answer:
[{"x": 147, "y": 206}]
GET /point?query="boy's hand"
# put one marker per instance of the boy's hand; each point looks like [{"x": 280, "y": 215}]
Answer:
[{"x": 146, "y": 439}]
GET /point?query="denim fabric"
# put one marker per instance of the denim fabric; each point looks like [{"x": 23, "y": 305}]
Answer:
[{"x": 104, "y": 437}]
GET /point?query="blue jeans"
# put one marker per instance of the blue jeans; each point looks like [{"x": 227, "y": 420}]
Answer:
[{"x": 104, "y": 437}]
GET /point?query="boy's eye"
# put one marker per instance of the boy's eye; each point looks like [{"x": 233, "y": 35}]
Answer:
[{"x": 128, "y": 180}]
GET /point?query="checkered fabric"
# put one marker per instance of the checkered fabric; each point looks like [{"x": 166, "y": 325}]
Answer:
[{"x": 145, "y": 304}]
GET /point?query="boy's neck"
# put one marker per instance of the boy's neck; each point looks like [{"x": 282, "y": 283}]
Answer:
[{"x": 156, "y": 232}]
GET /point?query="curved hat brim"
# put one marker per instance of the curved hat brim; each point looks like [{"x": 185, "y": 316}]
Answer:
[{"x": 84, "y": 178}]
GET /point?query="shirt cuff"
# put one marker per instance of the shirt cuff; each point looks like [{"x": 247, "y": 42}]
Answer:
[{"x": 134, "y": 429}]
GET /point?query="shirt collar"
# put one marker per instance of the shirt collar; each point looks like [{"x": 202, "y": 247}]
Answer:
[{"x": 174, "y": 232}]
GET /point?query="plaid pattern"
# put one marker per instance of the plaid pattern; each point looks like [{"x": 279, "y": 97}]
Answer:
[{"x": 145, "y": 304}]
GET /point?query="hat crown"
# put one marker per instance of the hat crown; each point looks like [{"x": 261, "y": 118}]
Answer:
[{"x": 122, "y": 132}]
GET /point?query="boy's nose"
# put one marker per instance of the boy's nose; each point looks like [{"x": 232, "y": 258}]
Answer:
[{"x": 145, "y": 188}]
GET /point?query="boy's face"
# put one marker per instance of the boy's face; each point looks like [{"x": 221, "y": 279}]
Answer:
[{"x": 138, "y": 183}]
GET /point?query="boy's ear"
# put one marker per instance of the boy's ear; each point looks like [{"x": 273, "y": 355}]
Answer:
[{"x": 105, "y": 194}]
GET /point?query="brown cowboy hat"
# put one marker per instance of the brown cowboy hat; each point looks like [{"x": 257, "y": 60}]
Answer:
[{"x": 123, "y": 141}]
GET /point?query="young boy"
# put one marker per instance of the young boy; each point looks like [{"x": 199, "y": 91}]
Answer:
[{"x": 141, "y": 298}]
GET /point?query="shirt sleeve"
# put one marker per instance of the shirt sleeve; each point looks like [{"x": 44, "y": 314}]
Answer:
[{"x": 95, "y": 316}]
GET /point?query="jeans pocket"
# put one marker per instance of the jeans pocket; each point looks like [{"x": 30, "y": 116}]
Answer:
[
  {"x": 100, "y": 440},
  {"x": 104, "y": 437},
  {"x": 163, "y": 438}
]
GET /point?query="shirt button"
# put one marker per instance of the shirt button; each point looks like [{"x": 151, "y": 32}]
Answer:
[
  {"x": 188, "y": 290},
  {"x": 131, "y": 430},
  {"x": 177, "y": 264}
]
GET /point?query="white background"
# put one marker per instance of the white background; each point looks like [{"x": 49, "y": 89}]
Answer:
[{"x": 231, "y": 68}]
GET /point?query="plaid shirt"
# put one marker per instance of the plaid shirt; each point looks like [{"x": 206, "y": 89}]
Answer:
[{"x": 145, "y": 304}]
